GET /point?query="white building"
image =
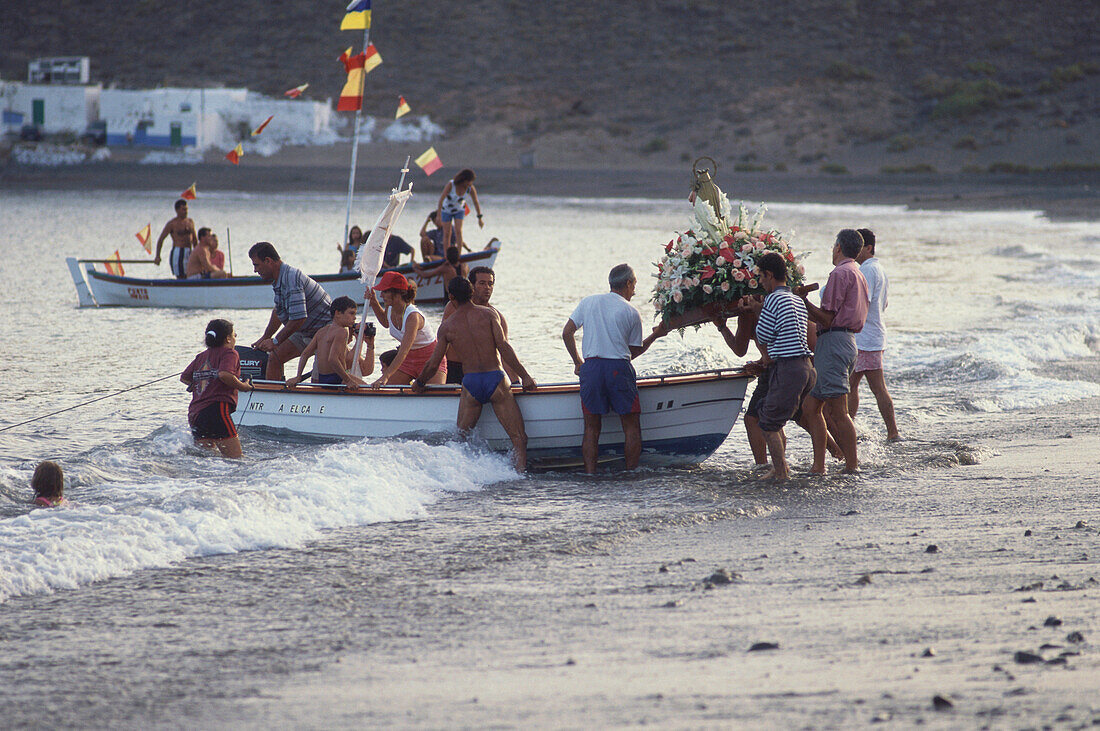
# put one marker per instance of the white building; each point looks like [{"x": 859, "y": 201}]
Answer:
[{"x": 53, "y": 108}]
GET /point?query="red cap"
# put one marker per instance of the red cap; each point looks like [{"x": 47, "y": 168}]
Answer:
[{"x": 392, "y": 280}]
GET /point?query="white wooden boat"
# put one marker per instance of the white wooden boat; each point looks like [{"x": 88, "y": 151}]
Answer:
[
  {"x": 98, "y": 289},
  {"x": 685, "y": 417}
]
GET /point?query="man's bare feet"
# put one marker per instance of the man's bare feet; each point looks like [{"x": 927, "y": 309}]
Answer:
[
  {"x": 821, "y": 471},
  {"x": 769, "y": 475},
  {"x": 893, "y": 437}
]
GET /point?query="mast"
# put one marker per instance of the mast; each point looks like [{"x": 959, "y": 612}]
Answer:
[{"x": 355, "y": 141}]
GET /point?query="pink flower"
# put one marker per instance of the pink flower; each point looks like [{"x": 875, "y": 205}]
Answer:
[
  {"x": 753, "y": 284},
  {"x": 677, "y": 297},
  {"x": 801, "y": 270},
  {"x": 746, "y": 248},
  {"x": 707, "y": 288},
  {"x": 725, "y": 286},
  {"x": 720, "y": 261},
  {"x": 739, "y": 275}
]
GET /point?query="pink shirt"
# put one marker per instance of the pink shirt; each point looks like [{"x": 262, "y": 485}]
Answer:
[
  {"x": 206, "y": 387},
  {"x": 846, "y": 296},
  {"x": 217, "y": 258}
]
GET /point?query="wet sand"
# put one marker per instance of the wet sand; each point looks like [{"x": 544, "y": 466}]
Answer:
[{"x": 871, "y": 623}]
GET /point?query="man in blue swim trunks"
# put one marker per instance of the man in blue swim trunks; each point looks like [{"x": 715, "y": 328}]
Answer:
[
  {"x": 612, "y": 338},
  {"x": 475, "y": 334}
]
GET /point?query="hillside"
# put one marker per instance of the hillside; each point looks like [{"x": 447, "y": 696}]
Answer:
[{"x": 809, "y": 86}]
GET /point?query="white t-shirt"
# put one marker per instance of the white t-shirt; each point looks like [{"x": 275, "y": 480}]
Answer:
[
  {"x": 873, "y": 335},
  {"x": 425, "y": 336},
  {"x": 611, "y": 325}
]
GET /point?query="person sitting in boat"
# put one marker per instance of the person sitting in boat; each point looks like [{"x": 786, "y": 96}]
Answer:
[
  {"x": 217, "y": 256},
  {"x": 396, "y": 247},
  {"x": 449, "y": 268},
  {"x": 612, "y": 338},
  {"x": 184, "y": 239},
  {"x": 451, "y": 209},
  {"x": 431, "y": 242},
  {"x": 475, "y": 333},
  {"x": 214, "y": 377},
  {"x": 330, "y": 346},
  {"x": 48, "y": 483},
  {"x": 199, "y": 264},
  {"x": 301, "y": 309},
  {"x": 407, "y": 324},
  {"x": 351, "y": 250}
]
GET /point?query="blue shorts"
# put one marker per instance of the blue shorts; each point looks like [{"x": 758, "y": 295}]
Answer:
[
  {"x": 482, "y": 385},
  {"x": 329, "y": 379},
  {"x": 447, "y": 216},
  {"x": 609, "y": 385}
]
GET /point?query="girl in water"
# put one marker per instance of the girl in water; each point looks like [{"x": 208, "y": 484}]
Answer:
[
  {"x": 406, "y": 324},
  {"x": 48, "y": 483},
  {"x": 451, "y": 209},
  {"x": 214, "y": 377}
]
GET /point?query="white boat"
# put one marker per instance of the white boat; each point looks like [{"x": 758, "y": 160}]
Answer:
[
  {"x": 685, "y": 417},
  {"x": 100, "y": 289}
]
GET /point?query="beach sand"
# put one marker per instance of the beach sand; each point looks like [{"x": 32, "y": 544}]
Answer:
[{"x": 871, "y": 623}]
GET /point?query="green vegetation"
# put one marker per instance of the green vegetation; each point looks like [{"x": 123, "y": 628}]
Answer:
[
  {"x": 1063, "y": 75},
  {"x": 968, "y": 98},
  {"x": 921, "y": 167},
  {"x": 834, "y": 168},
  {"x": 657, "y": 144},
  {"x": 901, "y": 143},
  {"x": 844, "y": 71},
  {"x": 982, "y": 67}
]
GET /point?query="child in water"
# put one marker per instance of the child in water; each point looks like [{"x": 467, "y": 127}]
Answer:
[
  {"x": 451, "y": 209},
  {"x": 214, "y": 377},
  {"x": 48, "y": 483}
]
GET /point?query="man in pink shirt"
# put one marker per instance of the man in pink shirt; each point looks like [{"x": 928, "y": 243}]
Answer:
[{"x": 841, "y": 315}]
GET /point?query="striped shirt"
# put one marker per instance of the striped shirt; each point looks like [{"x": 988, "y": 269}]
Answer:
[
  {"x": 297, "y": 297},
  {"x": 782, "y": 325}
]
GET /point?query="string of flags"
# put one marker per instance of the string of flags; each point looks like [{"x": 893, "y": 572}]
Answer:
[
  {"x": 403, "y": 108},
  {"x": 145, "y": 236},
  {"x": 357, "y": 17},
  {"x": 296, "y": 91}
]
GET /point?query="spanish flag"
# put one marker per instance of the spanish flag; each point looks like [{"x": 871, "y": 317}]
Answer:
[
  {"x": 189, "y": 194},
  {"x": 429, "y": 161},
  {"x": 402, "y": 108},
  {"x": 260, "y": 129},
  {"x": 143, "y": 236},
  {"x": 373, "y": 59},
  {"x": 234, "y": 155},
  {"x": 296, "y": 91},
  {"x": 358, "y": 16},
  {"x": 113, "y": 265},
  {"x": 351, "y": 97}
]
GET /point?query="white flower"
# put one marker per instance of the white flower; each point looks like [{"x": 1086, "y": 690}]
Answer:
[
  {"x": 740, "y": 236},
  {"x": 677, "y": 297},
  {"x": 707, "y": 288},
  {"x": 725, "y": 286},
  {"x": 721, "y": 260}
]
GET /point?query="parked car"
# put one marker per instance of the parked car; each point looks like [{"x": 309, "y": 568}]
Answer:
[
  {"x": 95, "y": 134},
  {"x": 30, "y": 133}
]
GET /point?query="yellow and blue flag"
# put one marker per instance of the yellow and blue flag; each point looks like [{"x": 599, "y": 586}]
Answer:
[{"x": 358, "y": 16}]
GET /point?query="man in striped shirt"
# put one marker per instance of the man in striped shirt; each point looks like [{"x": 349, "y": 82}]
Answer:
[
  {"x": 781, "y": 335},
  {"x": 301, "y": 309}
]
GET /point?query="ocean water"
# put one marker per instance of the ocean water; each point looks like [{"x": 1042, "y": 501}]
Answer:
[{"x": 988, "y": 314}]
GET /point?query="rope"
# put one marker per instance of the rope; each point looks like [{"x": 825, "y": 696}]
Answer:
[{"x": 55, "y": 413}]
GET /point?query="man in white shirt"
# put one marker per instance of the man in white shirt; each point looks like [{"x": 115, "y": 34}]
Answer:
[
  {"x": 871, "y": 341},
  {"x": 612, "y": 338}
]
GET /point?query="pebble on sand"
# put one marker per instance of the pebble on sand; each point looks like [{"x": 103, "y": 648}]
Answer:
[
  {"x": 941, "y": 704},
  {"x": 759, "y": 646},
  {"x": 1023, "y": 657},
  {"x": 932, "y": 549},
  {"x": 1052, "y": 621},
  {"x": 1075, "y": 637},
  {"x": 928, "y": 652},
  {"x": 721, "y": 577},
  {"x": 863, "y": 580}
]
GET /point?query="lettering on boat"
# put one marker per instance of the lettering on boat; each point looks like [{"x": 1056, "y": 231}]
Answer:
[
  {"x": 138, "y": 293},
  {"x": 298, "y": 408},
  {"x": 254, "y": 406}
]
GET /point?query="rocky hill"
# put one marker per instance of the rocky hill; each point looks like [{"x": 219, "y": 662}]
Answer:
[{"x": 807, "y": 85}]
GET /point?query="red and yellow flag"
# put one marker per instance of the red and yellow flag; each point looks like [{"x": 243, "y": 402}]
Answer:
[
  {"x": 429, "y": 161},
  {"x": 296, "y": 91},
  {"x": 144, "y": 236},
  {"x": 189, "y": 194},
  {"x": 351, "y": 96},
  {"x": 113, "y": 265},
  {"x": 402, "y": 108},
  {"x": 260, "y": 129},
  {"x": 373, "y": 59},
  {"x": 234, "y": 155}
]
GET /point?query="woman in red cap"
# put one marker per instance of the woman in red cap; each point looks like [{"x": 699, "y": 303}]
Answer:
[{"x": 407, "y": 324}]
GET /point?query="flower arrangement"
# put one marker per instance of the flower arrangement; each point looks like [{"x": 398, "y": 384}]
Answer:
[{"x": 708, "y": 268}]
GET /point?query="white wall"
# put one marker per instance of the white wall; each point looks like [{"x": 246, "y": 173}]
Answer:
[{"x": 67, "y": 108}]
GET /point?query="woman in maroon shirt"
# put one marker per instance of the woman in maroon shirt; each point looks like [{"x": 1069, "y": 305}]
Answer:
[{"x": 214, "y": 377}]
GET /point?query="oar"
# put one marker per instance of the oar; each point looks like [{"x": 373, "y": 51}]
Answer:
[{"x": 229, "y": 250}]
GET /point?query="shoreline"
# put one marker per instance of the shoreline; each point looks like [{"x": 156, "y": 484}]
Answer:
[{"x": 1061, "y": 196}]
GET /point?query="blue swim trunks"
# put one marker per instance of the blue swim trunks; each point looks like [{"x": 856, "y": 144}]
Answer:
[
  {"x": 448, "y": 216},
  {"x": 482, "y": 385},
  {"x": 329, "y": 379},
  {"x": 609, "y": 385}
]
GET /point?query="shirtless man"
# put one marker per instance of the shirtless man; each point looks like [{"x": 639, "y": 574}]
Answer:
[
  {"x": 476, "y": 335},
  {"x": 182, "y": 230},
  {"x": 334, "y": 352},
  {"x": 482, "y": 279},
  {"x": 200, "y": 264}
]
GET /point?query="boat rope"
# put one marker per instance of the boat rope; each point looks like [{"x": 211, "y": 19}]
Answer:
[{"x": 70, "y": 408}]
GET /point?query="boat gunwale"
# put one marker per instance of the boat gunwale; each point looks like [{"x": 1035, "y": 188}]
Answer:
[{"x": 450, "y": 390}]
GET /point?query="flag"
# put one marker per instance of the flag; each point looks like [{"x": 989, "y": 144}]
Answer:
[
  {"x": 358, "y": 16},
  {"x": 234, "y": 155},
  {"x": 113, "y": 265},
  {"x": 374, "y": 58},
  {"x": 429, "y": 161},
  {"x": 369, "y": 259},
  {"x": 351, "y": 96},
  {"x": 402, "y": 108},
  {"x": 466, "y": 208},
  {"x": 143, "y": 236},
  {"x": 296, "y": 91},
  {"x": 260, "y": 129},
  {"x": 190, "y": 194}
]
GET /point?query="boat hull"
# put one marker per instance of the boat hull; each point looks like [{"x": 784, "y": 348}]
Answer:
[
  {"x": 684, "y": 418},
  {"x": 99, "y": 289}
]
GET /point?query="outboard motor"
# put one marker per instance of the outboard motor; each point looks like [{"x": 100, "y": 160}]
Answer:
[{"x": 253, "y": 363}]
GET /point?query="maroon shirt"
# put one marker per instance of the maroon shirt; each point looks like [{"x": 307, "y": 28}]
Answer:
[
  {"x": 206, "y": 387},
  {"x": 845, "y": 294}
]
